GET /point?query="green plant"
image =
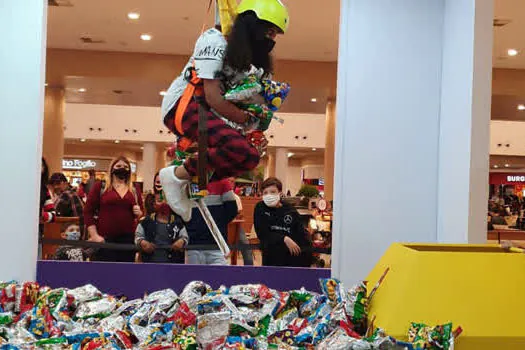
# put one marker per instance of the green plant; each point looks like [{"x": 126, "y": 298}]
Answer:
[{"x": 308, "y": 191}]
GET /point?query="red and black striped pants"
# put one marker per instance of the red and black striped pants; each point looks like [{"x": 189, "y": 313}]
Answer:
[{"x": 229, "y": 153}]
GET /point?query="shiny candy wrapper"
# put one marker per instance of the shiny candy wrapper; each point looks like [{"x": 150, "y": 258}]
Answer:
[
  {"x": 426, "y": 337},
  {"x": 333, "y": 289},
  {"x": 138, "y": 323},
  {"x": 98, "y": 308},
  {"x": 164, "y": 298},
  {"x": 357, "y": 307},
  {"x": 84, "y": 293},
  {"x": 275, "y": 93},
  {"x": 339, "y": 340},
  {"x": 244, "y": 91},
  {"x": 193, "y": 292},
  {"x": 308, "y": 308},
  {"x": 212, "y": 330},
  {"x": 186, "y": 339}
]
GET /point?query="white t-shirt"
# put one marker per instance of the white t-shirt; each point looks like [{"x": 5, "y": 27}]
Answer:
[{"x": 208, "y": 56}]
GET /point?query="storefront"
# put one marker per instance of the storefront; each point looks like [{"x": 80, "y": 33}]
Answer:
[
  {"x": 76, "y": 170},
  {"x": 507, "y": 184}
]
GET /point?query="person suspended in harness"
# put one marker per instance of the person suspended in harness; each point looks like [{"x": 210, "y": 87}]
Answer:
[{"x": 218, "y": 63}]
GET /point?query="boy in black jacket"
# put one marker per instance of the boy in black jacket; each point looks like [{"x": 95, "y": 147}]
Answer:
[
  {"x": 279, "y": 228},
  {"x": 160, "y": 227},
  {"x": 223, "y": 208}
]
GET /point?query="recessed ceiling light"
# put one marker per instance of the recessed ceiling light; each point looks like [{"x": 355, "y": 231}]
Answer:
[
  {"x": 81, "y": 90},
  {"x": 82, "y": 140},
  {"x": 521, "y": 107},
  {"x": 162, "y": 93},
  {"x": 495, "y": 166},
  {"x": 314, "y": 149},
  {"x": 506, "y": 165},
  {"x": 512, "y": 52},
  {"x": 146, "y": 37},
  {"x": 290, "y": 154},
  {"x": 314, "y": 100},
  {"x": 133, "y": 15},
  {"x": 117, "y": 141}
]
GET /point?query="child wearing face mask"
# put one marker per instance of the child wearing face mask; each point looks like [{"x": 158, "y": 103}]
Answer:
[
  {"x": 161, "y": 227},
  {"x": 71, "y": 232},
  {"x": 284, "y": 240}
]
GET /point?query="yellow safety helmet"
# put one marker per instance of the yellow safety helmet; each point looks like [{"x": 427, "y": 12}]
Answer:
[{"x": 272, "y": 11}]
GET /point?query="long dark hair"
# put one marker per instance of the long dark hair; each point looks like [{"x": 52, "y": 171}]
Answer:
[
  {"x": 44, "y": 178},
  {"x": 247, "y": 43}
]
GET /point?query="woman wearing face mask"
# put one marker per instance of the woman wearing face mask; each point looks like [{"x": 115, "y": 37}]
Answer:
[
  {"x": 221, "y": 62},
  {"x": 112, "y": 210},
  {"x": 161, "y": 228},
  {"x": 284, "y": 240}
]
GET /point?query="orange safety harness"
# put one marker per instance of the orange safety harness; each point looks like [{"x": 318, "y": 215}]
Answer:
[{"x": 194, "y": 90}]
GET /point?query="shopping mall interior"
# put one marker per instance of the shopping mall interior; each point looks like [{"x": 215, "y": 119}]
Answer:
[{"x": 400, "y": 146}]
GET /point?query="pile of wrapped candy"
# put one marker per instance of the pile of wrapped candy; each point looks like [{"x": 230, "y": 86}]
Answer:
[
  {"x": 239, "y": 317},
  {"x": 261, "y": 97}
]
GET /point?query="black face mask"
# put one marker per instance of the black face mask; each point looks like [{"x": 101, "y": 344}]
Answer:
[
  {"x": 121, "y": 173},
  {"x": 266, "y": 44}
]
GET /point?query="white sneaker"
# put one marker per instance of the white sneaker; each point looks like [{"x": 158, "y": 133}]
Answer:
[{"x": 176, "y": 191}]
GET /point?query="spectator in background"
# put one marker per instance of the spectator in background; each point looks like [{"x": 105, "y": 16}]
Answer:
[
  {"x": 223, "y": 209},
  {"x": 81, "y": 191},
  {"x": 67, "y": 203},
  {"x": 279, "y": 228},
  {"x": 71, "y": 232},
  {"x": 161, "y": 228},
  {"x": 47, "y": 209},
  {"x": 112, "y": 211},
  {"x": 90, "y": 182},
  {"x": 246, "y": 251}
]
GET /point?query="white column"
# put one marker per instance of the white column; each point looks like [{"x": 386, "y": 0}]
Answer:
[
  {"x": 22, "y": 68},
  {"x": 465, "y": 121},
  {"x": 149, "y": 164},
  {"x": 413, "y": 110},
  {"x": 281, "y": 166}
]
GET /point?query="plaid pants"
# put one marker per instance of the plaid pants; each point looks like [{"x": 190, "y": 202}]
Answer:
[{"x": 229, "y": 153}]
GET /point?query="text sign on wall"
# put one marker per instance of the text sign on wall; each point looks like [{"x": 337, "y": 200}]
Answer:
[
  {"x": 78, "y": 164},
  {"x": 515, "y": 178}
]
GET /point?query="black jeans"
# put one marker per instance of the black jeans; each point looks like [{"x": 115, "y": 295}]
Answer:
[{"x": 117, "y": 255}]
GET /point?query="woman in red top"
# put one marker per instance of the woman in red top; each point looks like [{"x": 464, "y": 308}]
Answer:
[{"x": 112, "y": 212}]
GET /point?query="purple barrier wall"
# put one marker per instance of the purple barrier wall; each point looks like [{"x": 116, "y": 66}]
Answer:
[{"x": 133, "y": 280}]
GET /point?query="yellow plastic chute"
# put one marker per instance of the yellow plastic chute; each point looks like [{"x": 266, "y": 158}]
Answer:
[{"x": 227, "y": 11}]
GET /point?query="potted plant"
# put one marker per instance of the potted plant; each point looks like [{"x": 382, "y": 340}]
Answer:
[{"x": 306, "y": 192}]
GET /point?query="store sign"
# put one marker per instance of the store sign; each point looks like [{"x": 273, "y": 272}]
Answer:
[
  {"x": 515, "y": 178},
  {"x": 78, "y": 164}
]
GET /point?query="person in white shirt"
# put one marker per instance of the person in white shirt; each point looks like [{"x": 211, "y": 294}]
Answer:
[{"x": 219, "y": 63}]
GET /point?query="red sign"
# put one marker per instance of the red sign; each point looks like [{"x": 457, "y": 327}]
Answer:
[{"x": 506, "y": 178}]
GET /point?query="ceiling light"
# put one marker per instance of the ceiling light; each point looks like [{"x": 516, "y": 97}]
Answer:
[
  {"x": 512, "y": 52},
  {"x": 82, "y": 140},
  {"x": 506, "y": 165},
  {"x": 81, "y": 90},
  {"x": 495, "y": 166},
  {"x": 117, "y": 141},
  {"x": 290, "y": 154},
  {"x": 314, "y": 149},
  {"x": 314, "y": 100},
  {"x": 146, "y": 37},
  {"x": 133, "y": 15},
  {"x": 521, "y": 107},
  {"x": 162, "y": 93}
]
